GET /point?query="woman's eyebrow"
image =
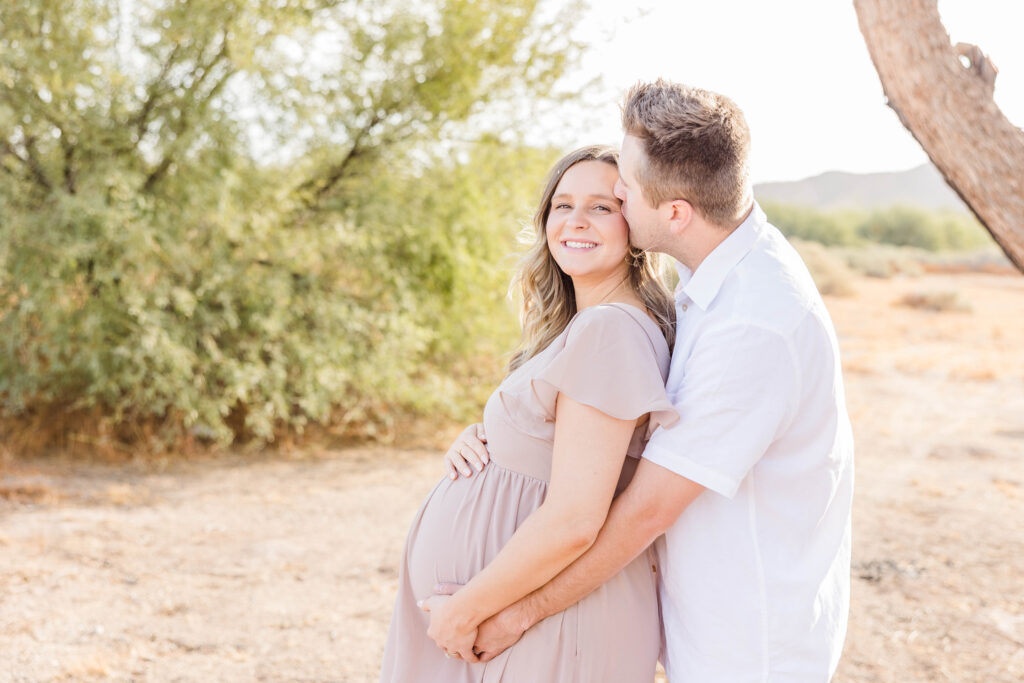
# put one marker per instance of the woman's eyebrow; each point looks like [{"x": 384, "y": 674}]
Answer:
[{"x": 607, "y": 197}]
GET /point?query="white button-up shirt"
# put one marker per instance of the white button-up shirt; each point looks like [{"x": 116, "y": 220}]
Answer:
[{"x": 755, "y": 574}]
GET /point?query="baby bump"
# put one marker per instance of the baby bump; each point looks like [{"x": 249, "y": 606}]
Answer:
[{"x": 463, "y": 524}]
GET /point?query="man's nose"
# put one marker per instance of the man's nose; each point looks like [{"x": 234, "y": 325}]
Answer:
[{"x": 619, "y": 190}]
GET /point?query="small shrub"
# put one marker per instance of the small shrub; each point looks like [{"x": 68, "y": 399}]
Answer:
[
  {"x": 882, "y": 261},
  {"x": 938, "y": 302},
  {"x": 831, "y": 274}
]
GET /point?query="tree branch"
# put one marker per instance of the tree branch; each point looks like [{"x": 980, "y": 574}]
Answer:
[
  {"x": 153, "y": 92},
  {"x": 949, "y": 110},
  {"x": 30, "y": 161},
  {"x": 5, "y": 150},
  {"x": 39, "y": 106},
  {"x": 182, "y": 127},
  {"x": 221, "y": 55},
  {"x": 337, "y": 172},
  {"x": 981, "y": 65},
  {"x": 69, "y": 170},
  {"x": 157, "y": 173}
]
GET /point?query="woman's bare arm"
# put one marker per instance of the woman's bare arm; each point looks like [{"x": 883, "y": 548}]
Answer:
[{"x": 589, "y": 449}]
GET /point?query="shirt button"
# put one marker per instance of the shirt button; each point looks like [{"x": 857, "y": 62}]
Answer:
[{"x": 684, "y": 307}]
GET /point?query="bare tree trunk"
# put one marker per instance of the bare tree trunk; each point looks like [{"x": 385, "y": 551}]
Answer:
[{"x": 948, "y": 107}]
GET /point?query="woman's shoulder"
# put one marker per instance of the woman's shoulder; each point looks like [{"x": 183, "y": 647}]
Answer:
[{"x": 618, "y": 320}]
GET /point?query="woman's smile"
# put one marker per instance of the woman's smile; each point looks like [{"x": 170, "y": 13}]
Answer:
[{"x": 578, "y": 244}]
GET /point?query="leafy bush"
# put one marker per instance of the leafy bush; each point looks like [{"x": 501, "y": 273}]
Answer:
[
  {"x": 154, "y": 270},
  {"x": 242, "y": 324}
]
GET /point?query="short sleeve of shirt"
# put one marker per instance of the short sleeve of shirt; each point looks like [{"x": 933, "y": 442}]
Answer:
[
  {"x": 739, "y": 390},
  {"x": 610, "y": 363}
]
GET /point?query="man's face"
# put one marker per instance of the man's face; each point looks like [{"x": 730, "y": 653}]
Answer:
[{"x": 646, "y": 225}]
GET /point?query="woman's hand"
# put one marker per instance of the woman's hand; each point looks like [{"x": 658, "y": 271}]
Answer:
[
  {"x": 497, "y": 633},
  {"x": 468, "y": 451},
  {"x": 448, "y": 629}
]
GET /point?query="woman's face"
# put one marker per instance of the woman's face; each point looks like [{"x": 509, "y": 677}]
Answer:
[{"x": 586, "y": 232}]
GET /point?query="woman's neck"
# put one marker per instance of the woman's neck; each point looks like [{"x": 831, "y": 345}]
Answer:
[{"x": 614, "y": 289}]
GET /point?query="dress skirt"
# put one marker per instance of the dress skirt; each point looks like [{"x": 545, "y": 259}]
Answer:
[{"x": 611, "y": 635}]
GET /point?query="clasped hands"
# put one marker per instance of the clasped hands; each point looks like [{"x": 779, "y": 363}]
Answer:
[{"x": 456, "y": 635}]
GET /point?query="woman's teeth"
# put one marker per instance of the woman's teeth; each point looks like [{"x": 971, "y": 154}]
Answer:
[{"x": 580, "y": 245}]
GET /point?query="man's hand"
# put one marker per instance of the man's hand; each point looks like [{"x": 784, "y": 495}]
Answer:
[
  {"x": 500, "y": 632},
  {"x": 496, "y": 634},
  {"x": 448, "y": 630}
]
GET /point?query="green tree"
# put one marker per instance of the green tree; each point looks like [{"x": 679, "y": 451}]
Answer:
[{"x": 246, "y": 215}]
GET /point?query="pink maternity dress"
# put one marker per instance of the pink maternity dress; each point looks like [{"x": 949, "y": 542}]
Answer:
[{"x": 614, "y": 358}]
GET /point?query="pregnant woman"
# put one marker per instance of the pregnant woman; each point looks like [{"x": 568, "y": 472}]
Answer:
[{"x": 563, "y": 432}]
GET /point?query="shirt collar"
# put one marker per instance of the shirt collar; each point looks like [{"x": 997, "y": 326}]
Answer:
[{"x": 702, "y": 285}]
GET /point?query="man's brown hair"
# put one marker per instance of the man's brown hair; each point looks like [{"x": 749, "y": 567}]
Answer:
[{"x": 696, "y": 144}]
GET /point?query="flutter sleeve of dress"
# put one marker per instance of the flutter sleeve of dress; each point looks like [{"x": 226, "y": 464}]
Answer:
[{"x": 611, "y": 363}]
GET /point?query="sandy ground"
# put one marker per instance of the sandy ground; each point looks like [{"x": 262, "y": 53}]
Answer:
[{"x": 283, "y": 568}]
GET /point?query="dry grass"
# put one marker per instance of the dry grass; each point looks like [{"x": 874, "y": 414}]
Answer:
[
  {"x": 990, "y": 260},
  {"x": 29, "y": 493},
  {"x": 89, "y": 434}
]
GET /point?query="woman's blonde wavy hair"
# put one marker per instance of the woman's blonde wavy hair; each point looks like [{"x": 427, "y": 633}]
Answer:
[{"x": 548, "y": 298}]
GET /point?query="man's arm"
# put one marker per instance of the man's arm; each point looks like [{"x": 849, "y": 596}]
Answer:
[{"x": 650, "y": 504}]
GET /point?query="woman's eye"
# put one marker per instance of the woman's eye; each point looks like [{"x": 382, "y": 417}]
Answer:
[
  {"x": 562, "y": 205},
  {"x": 602, "y": 207}
]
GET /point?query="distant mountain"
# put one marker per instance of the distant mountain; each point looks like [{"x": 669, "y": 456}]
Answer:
[{"x": 922, "y": 187}]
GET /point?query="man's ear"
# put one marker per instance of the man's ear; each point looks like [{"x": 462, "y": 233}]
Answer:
[{"x": 681, "y": 215}]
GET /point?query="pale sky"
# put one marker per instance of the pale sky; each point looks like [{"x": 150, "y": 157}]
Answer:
[{"x": 799, "y": 69}]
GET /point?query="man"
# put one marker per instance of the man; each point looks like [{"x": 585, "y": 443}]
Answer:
[{"x": 752, "y": 487}]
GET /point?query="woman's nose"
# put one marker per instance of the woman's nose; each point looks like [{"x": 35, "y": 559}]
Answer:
[{"x": 578, "y": 219}]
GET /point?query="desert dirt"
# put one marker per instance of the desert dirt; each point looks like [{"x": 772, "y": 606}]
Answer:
[{"x": 283, "y": 567}]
